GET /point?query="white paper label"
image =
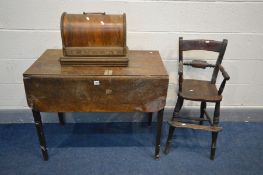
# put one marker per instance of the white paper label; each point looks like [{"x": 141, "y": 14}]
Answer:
[{"x": 96, "y": 83}]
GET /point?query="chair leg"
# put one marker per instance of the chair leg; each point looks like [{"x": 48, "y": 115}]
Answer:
[
  {"x": 150, "y": 119},
  {"x": 40, "y": 133},
  {"x": 61, "y": 118},
  {"x": 215, "y": 134},
  {"x": 202, "y": 111},
  {"x": 177, "y": 109},
  {"x": 169, "y": 140},
  {"x": 213, "y": 145}
]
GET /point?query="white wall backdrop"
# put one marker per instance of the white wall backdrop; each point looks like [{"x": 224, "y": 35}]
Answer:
[{"x": 29, "y": 27}]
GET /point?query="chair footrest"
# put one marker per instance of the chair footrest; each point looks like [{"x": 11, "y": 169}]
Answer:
[{"x": 177, "y": 124}]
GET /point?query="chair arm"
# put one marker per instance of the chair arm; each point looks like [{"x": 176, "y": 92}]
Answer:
[
  {"x": 224, "y": 73},
  {"x": 180, "y": 68},
  {"x": 226, "y": 77}
]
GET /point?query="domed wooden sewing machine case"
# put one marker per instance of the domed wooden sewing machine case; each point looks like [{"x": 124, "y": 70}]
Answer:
[{"x": 95, "y": 39}]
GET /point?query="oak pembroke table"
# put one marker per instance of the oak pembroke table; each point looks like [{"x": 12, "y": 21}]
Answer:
[{"x": 140, "y": 87}]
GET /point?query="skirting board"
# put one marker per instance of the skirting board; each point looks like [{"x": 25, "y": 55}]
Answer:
[{"x": 245, "y": 114}]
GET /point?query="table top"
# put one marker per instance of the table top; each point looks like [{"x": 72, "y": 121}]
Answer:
[
  {"x": 141, "y": 63},
  {"x": 142, "y": 86}
]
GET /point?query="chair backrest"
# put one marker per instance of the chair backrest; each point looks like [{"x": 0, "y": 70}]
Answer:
[{"x": 207, "y": 45}]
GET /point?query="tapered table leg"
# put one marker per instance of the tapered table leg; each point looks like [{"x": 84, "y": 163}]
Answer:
[
  {"x": 40, "y": 133},
  {"x": 61, "y": 118},
  {"x": 150, "y": 117},
  {"x": 158, "y": 135}
]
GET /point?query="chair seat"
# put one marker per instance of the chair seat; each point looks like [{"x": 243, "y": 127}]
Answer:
[{"x": 199, "y": 90}]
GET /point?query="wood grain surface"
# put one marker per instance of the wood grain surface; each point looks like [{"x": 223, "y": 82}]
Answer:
[
  {"x": 199, "y": 90},
  {"x": 91, "y": 34},
  {"x": 140, "y": 87}
]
